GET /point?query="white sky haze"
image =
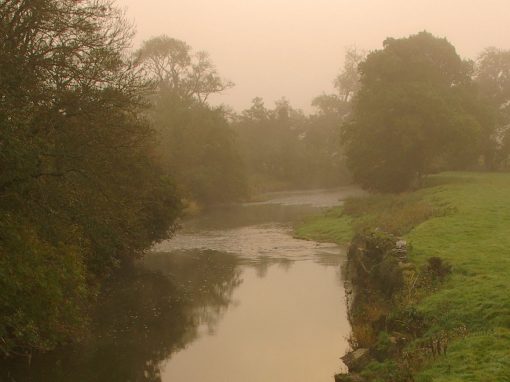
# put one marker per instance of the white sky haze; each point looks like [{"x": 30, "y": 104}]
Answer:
[{"x": 295, "y": 48}]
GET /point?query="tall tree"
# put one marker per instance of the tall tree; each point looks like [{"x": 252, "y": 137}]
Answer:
[
  {"x": 412, "y": 114},
  {"x": 196, "y": 144},
  {"x": 172, "y": 64},
  {"x": 79, "y": 192}
]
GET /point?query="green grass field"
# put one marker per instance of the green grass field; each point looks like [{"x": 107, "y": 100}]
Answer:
[
  {"x": 463, "y": 218},
  {"x": 333, "y": 226}
]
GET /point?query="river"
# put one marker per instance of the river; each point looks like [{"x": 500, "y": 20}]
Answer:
[{"x": 233, "y": 297}]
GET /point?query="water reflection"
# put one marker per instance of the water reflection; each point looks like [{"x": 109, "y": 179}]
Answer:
[
  {"x": 206, "y": 280},
  {"x": 289, "y": 325},
  {"x": 262, "y": 264},
  {"x": 233, "y": 297},
  {"x": 143, "y": 317}
]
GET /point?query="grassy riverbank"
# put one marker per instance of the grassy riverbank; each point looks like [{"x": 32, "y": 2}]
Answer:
[{"x": 464, "y": 218}]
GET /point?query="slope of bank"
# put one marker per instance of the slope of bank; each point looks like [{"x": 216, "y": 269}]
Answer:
[{"x": 464, "y": 219}]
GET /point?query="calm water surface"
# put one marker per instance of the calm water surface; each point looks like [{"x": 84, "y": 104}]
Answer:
[{"x": 233, "y": 297}]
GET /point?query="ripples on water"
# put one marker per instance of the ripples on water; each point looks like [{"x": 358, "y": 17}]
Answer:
[{"x": 232, "y": 297}]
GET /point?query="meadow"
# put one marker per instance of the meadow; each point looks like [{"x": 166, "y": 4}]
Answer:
[{"x": 463, "y": 218}]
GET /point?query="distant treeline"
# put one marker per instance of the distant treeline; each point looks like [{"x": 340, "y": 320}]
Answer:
[
  {"x": 284, "y": 149},
  {"x": 412, "y": 108},
  {"x": 218, "y": 156}
]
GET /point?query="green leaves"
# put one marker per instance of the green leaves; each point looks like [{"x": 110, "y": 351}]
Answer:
[
  {"x": 411, "y": 115},
  {"x": 79, "y": 189}
]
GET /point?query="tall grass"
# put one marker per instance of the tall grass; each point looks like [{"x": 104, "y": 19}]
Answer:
[{"x": 395, "y": 214}]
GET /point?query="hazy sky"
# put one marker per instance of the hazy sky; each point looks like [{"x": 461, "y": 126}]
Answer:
[{"x": 294, "y": 48}]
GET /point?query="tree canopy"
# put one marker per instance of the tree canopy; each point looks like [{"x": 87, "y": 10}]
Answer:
[
  {"x": 171, "y": 64},
  {"x": 79, "y": 189},
  {"x": 413, "y": 114}
]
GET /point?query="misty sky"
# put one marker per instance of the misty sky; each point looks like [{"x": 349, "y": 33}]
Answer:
[{"x": 294, "y": 48}]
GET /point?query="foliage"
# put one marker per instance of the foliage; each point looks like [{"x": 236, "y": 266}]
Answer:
[
  {"x": 171, "y": 64},
  {"x": 79, "y": 190},
  {"x": 374, "y": 269},
  {"x": 347, "y": 85},
  {"x": 362, "y": 335},
  {"x": 196, "y": 144},
  {"x": 282, "y": 145},
  {"x": 269, "y": 140},
  {"x": 348, "y": 82},
  {"x": 283, "y": 148},
  {"x": 492, "y": 76},
  {"x": 412, "y": 114},
  {"x": 384, "y": 346},
  {"x": 395, "y": 214},
  {"x": 43, "y": 288},
  {"x": 198, "y": 147},
  {"x": 388, "y": 371}
]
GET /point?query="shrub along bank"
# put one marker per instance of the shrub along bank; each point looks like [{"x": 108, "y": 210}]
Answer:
[{"x": 436, "y": 308}]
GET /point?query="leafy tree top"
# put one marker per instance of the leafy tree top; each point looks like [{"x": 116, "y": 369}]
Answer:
[
  {"x": 172, "y": 65},
  {"x": 418, "y": 58},
  {"x": 415, "y": 113}
]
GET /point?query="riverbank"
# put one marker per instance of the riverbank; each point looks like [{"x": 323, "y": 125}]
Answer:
[{"x": 464, "y": 220}]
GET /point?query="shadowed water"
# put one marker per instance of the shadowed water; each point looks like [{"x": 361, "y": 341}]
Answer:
[{"x": 232, "y": 297}]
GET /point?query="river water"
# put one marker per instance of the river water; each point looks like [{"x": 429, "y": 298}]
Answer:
[{"x": 233, "y": 297}]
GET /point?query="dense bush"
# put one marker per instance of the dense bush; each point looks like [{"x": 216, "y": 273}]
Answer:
[{"x": 79, "y": 190}]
